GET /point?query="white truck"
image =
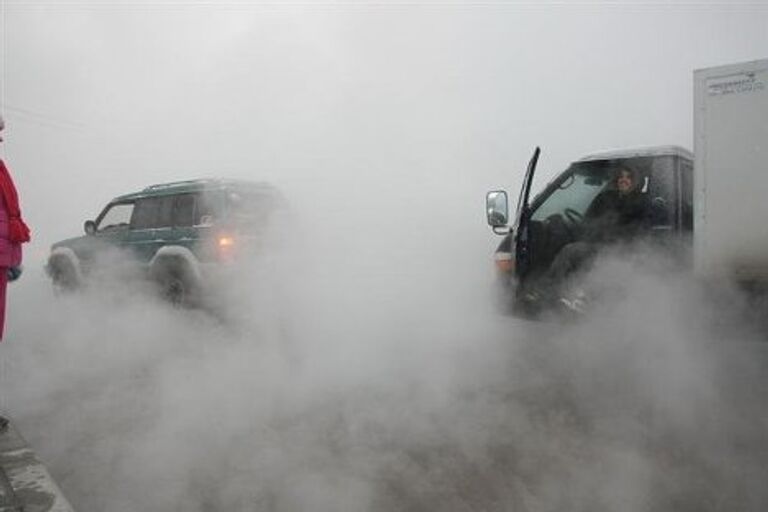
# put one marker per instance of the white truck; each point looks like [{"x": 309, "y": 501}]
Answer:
[
  {"x": 731, "y": 172},
  {"x": 722, "y": 206}
]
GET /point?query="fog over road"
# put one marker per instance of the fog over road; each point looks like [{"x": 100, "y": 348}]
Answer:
[{"x": 420, "y": 398}]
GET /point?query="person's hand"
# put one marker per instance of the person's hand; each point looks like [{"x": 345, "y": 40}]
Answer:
[{"x": 14, "y": 273}]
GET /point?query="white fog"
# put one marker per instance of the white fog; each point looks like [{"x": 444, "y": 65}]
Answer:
[{"x": 361, "y": 362}]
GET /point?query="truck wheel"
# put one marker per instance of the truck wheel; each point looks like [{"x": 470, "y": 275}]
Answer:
[
  {"x": 176, "y": 287},
  {"x": 64, "y": 277}
]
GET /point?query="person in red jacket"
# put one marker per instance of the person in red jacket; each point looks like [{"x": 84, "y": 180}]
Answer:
[{"x": 13, "y": 232}]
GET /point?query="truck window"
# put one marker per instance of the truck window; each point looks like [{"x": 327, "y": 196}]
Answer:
[
  {"x": 661, "y": 188},
  {"x": 152, "y": 212},
  {"x": 686, "y": 195}
]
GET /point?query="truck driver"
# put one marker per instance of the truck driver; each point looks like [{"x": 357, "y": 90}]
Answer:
[{"x": 617, "y": 214}]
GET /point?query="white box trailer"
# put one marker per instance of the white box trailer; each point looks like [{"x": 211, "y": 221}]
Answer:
[{"x": 731, "y": 171}]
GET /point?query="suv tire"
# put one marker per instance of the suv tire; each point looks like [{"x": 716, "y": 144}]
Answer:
[
  {"x": 176, "y": 285},
  {"x": 64, "y": 276}
]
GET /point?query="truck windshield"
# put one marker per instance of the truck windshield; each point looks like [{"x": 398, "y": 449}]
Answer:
[
  {"x": 574, "y": 190},
  {"x": 571, "y": 194}
]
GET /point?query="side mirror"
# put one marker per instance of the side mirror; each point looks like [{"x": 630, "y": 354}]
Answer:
[
  {"x": 90, "y": 227},
  {"x": 497, "y": 208}
]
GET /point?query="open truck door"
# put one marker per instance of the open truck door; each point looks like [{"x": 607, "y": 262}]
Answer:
[
  {"x": 512, "y": 257},
  {"x": 521, "y": 238}
]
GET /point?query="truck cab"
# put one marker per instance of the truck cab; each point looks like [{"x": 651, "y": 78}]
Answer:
[{"x": 556, "y": 216}]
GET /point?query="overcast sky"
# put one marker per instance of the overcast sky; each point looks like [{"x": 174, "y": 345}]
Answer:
[{"x": 417, "y": 108}]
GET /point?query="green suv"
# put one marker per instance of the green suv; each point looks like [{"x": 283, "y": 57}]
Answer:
[{"x": 179, "y": 235}]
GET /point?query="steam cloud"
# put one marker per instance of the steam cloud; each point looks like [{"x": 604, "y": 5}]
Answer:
[
  {"x": 360, "y": 364},
  {"x": 393, "y": 387}
]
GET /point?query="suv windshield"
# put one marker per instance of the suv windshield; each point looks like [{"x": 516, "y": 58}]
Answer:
[{"x": 116, "y": 216}]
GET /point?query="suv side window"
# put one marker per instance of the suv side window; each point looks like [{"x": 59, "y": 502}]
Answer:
[
  {"x": 194, "y": 209},
  {"x": 208, "y": 207},
  {"x": 116, "y": 216},
  {"x": 152, "y": 212},
  {"x": 184, "y": 210}
]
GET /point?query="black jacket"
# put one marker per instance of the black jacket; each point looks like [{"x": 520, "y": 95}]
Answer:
[{"x": 616, "y": 217}]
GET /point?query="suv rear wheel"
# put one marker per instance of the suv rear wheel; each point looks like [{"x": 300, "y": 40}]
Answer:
[
  {"x": 64, "y": 276},
  {"x": 176, "y": 285}
]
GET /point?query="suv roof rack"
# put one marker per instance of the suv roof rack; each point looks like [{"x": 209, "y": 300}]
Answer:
[
  {"x": 172, "y": 184},
  {"x": 209, "y": 182}
]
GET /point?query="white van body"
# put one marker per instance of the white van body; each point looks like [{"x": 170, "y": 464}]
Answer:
[{"x": 731, "y": 171}]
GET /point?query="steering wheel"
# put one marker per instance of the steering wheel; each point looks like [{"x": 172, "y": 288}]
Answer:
[{"x": 574, "y": 217}]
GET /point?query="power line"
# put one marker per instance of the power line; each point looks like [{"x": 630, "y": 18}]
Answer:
[{"x": 43, "y": 118}]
